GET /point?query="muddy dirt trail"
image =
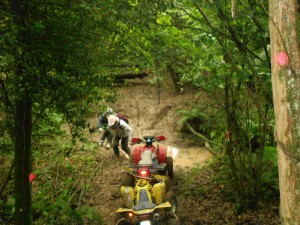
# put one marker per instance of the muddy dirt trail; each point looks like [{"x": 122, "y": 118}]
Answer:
[{"x": 151, "y": 111}]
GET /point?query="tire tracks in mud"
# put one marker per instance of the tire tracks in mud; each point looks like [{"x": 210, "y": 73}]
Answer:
[{"x": 106, "y": 197}]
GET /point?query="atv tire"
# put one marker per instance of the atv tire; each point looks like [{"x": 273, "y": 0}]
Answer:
[
  {"x": 120, "y": 219},
  {"x": 169, "y": 163},
  {"x": 127, "y": 180},
  {"x": 173, "y": 221},
  {"x": 170, "y": 197},
  {"x": 123, "y": 223}
]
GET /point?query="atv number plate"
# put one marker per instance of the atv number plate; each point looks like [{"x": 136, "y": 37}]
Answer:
[{"x": 145, "y": 222}]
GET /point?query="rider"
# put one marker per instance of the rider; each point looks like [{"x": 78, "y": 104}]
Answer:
[
  {"x": 102, "y": 125},
  {"x": 121, "y": 131}
]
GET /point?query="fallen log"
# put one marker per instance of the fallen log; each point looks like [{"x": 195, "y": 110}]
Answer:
[
  {"x": 207, "y": 141},
  {"x": 140, "y": 75},
  {"x": 121, "y": 65}
]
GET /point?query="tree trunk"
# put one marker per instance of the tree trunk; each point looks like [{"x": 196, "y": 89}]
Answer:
[
  {"x": 175, "y": 77},
  {"x": 23, "y": 161},
  {"x": 23, "y": 117},
  {"x": 286, "y": 86}
]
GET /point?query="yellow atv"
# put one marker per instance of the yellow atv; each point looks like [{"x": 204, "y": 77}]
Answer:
[{"x": 147, "y": 203}]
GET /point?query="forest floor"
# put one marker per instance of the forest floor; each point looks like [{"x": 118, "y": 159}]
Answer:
[{"x": 154, "y": 111}]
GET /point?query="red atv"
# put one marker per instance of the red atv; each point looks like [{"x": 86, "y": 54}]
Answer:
[{"x": 154, "y": 157}]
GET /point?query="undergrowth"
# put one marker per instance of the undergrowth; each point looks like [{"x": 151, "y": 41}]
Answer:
[
  {"x": 199, "y": 182},
  {"x": 63, "y": 167},
  {"x": 64, "y": 173}
]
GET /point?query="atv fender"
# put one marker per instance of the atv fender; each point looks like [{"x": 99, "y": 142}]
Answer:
[
  {"x": 163, "y": 205},
  {"x": 128, "y": 196},
  {"x": 159, "y": 191},
  {"x": 122, "y": 210},
  {"x": 161, "y": 154},
  {"x": 160, "y": 206}
]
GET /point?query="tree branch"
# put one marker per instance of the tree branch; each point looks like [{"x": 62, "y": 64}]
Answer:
[{"x": 201, "y": 136}]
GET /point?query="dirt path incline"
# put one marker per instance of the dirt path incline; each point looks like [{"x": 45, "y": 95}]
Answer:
[{"x": 150, "y": 112}]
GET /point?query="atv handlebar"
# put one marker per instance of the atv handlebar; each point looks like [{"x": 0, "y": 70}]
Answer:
[
  {"x": 147, "y": 139},
  {"x": 155, "y": 167}
]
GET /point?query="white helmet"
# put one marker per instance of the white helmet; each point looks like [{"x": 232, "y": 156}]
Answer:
[
  {"x": 112, "y": 121},
  {"x": 109, "y": 111}
]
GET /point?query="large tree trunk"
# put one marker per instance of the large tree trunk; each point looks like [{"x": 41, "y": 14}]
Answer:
[
  {"x": 23, "y": 123},
  {"x": 286, "y": 93},
  {"x": 23, "y": 117}
]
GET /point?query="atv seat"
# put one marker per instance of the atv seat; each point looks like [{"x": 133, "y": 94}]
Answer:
[{"x": 144, "y": 202}]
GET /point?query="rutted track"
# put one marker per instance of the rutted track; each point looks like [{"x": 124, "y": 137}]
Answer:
[{"x": 139, "y": 101}]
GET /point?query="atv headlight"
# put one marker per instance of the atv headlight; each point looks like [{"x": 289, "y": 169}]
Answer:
[{"x": 145, "y": 222}]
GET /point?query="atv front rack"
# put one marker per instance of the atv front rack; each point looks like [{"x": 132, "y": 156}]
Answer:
[{"x": 153, "y": 168}]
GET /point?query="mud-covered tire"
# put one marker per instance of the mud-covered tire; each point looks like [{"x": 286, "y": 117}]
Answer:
[
  {"x": 127, "y": 180},
  {"x": 173, "y": 221},
  {"x": 169, "y": 164},
  {"x": 170, "y": 197},
  {"x": 118, "y": 219},
  {"x": 123, "y": 223}
]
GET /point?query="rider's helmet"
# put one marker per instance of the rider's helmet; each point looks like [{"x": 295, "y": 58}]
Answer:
[
  {"x": 113, "y": 121},
  {"x": 109, "y": 111}
]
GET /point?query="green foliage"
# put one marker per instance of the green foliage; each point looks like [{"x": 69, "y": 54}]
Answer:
[
  {"x": 268, "y": 183},
  {"x": 63, "y": 172},
  {"x": 76, "y": 48},
  {"x": 63, "y": 169},
  {"x": 232, "y": 68},
  {"x": 61, "y": 60},
  {"x": 270, "y": 177},
  {"x": 7, "y": 210},
  {"x": 198, "y": 119},
  {"x": 61, "y": 65},
  {"x": 206, "y": 120},
  {"x": 61, "y": 212},
  {"x": 6, "y": 144},
  {"x": 224, "y": 181},
  {"x": 89, "y": 215},
  {"x": 191, "y": 187}
]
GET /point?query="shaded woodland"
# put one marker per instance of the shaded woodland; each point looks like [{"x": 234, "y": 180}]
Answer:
[{"x": 61, "y": 62}]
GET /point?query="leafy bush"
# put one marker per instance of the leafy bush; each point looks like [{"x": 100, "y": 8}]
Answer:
[
  {"x": 60, "y": 183},
  {"x": 270, "y": 176},
  {"x": 7, "y": 210},
  {"x": 197, "y": 184},
  {"x": 192, "y": 188},
  {"x": 268, "y": 186}
]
